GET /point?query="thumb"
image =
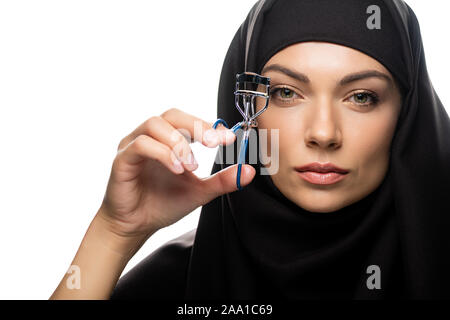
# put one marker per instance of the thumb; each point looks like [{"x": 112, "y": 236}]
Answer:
[{"x": 224, "y": 181}]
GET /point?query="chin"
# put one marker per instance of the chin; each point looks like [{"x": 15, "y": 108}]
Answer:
[
  {"x": 321, "y": 209},
  {"x": 319, "y": 203},
  {"x": 313, "y": 200}
]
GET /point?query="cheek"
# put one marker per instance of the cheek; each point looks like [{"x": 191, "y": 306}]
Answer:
[
  {"x": 368, "y": 142},
  {"x": 289, "y": 132}
]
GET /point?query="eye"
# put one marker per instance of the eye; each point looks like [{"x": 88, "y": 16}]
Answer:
[
  {"x": 364, "y": 98},
  {"x": 286, "y": 93},
  {"x": 283, "y": 94}
]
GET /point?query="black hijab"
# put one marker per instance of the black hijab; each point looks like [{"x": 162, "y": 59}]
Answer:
[{"x": 256, "y": 243}]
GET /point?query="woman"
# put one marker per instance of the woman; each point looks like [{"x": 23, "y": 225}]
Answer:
[{"x": 349, "y": 87}]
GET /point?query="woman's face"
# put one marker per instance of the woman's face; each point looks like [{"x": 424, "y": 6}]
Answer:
[{"x": 329, "y": 109}]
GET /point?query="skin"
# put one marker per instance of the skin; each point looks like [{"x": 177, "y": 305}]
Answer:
[
  {"x": 323, "y": 121},
  {"x": 147, "y": 191},
  {"x": 152, "y": 185}
]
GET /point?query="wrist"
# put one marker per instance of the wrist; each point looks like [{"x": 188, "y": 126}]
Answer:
[{"x": 103, "y": 231}]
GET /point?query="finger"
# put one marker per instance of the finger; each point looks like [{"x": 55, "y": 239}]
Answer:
[
  {"x": 145, "y": 147},
  {"x": 198, "y": 129},
  {"x": 162, "y": 131},
  {"x": 224, "y": 181},
  {"x": 193, "y": 128}
]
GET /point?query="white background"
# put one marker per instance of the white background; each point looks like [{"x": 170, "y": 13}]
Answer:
[{"x": 76, "y": 77}]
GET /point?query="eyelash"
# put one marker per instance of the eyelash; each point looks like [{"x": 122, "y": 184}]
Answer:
[{"x": 373, "y": 97}]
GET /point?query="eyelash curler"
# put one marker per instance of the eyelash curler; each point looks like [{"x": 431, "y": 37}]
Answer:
[{"x": 246, "y": 92}]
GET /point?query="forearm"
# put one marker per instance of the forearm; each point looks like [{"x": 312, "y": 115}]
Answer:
[{"x": 98, "y": 263}]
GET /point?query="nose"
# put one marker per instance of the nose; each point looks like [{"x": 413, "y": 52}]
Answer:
[{"x": 322, "y": 129}]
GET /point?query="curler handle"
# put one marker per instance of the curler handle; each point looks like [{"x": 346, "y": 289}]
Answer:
[{"x": 243, "y": 148}]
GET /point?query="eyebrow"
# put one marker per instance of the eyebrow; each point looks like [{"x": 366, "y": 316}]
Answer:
[{"x": 346, "y": 80}]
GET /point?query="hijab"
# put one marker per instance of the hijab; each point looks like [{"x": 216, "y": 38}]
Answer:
[{"x": 256, "y": 243}]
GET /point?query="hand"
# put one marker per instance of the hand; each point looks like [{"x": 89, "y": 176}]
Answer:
[{"x": 147, "y": 191}]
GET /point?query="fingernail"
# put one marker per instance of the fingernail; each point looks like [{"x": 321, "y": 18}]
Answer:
[
  {"x": 211, "y": 137},
  {"x": 229, "y": 135},
  {"x": 248, "y": 170},
  {"x": 178, "y": 166},
  {"x": 191, "y": 162}
]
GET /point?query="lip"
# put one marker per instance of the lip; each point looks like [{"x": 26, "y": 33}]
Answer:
[{"x": 322, "y": 174}]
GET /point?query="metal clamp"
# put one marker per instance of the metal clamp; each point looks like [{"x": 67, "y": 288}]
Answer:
[{"x": 247, "y": 97}]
